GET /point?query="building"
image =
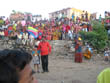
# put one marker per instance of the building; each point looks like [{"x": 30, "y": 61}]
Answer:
[
  {"x": 93, "y": 16},
  {"x": 60, "y": 13},
  {"x": 36, "y": 18},
  {"x": 68, "y": 12},
  {"x": 16, "y": 16}
]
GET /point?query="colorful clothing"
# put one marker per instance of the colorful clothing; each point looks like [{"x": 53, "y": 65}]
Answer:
[
  {"x": 36, "y": 57},
  {"x": 78, "y": 51},
  {"x": 87, "y": 54},
  {"x": 78, "y": 57}
]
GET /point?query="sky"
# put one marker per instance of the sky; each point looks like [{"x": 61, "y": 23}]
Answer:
[{"x": 44, "y": 7}]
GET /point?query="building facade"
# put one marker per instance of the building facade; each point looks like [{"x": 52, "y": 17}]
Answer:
[
  {"x": 60, "y": 13},
  {"x": 68, "y": 12}
]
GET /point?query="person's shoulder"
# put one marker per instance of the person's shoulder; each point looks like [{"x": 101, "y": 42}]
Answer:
[
  {"x": 47, "y": 42},
  {"x": 107, "y": 70},
  {"x": 40, "y": 43}
]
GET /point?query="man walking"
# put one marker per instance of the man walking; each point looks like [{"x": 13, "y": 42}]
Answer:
[{"x": 45, "y": 50}]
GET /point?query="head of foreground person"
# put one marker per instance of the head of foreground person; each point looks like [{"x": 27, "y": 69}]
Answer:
[{"x": 15, "y": 67}]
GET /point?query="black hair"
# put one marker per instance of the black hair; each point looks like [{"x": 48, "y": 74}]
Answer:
[
  {"x": 36, "y": 46},
  {"x": 12, "y": 62}
]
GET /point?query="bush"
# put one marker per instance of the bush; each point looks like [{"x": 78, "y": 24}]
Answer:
[
  {"x": 108, "y": 43},
  {"x": 97, "y": 38}
]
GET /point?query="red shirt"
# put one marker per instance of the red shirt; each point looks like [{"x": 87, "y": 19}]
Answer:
[
  {"x": 48, "y": 37},
  {"x": 44, "y": 48},
  {"x": 6, "y": 33},
  {"x": 67, "y": 28},
  {"x": 10, "y": 28}
]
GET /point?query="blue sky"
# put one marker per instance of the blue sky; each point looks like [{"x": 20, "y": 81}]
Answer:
[{"x": 47, "y": 6}]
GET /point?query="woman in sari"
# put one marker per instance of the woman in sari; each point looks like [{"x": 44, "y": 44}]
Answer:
[{"x": 78, "y": 50}]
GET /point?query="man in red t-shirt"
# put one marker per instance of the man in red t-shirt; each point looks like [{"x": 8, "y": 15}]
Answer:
[{"x": 45, "y": 50}]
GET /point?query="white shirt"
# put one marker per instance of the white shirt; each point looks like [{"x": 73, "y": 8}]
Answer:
[
  {"x": 2, "y": 33},
  {"x": 31, "y": 37},
  {"x": 37, "y": 43},
  {"x": 19, "y": 36},
  {"x": 25, "y": 35}
]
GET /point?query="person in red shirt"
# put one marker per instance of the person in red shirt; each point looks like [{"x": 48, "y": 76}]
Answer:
[
  {"x": 67, "y": 28},
  {"x": 6, "y": 36},
  {"x": 6, "y": 32},
  {"x": 45, "y": 50}
]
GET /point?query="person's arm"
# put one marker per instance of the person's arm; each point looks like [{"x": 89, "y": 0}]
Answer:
[
  {"x": 32, "y": 53},
  {"x": 49, "y": 46},
  {"x": 39, "y": 46}
]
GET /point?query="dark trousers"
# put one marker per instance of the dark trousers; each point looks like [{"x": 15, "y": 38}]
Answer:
[{"x": 44, "y": 60}]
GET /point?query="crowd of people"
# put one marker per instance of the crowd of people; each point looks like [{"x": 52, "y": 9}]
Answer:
[
  {"x": 53, "y": 30},
  {"x": 36, "y": 34},
  {"x": 27, "y": 32}
]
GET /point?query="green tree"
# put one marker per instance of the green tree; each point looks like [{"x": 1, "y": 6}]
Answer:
[
  {"x": 98, "y": 37},
  {"x": 13, "y": 11}
]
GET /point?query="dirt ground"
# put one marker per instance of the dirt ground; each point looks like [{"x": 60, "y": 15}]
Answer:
[{"x": 63, "y": 69}]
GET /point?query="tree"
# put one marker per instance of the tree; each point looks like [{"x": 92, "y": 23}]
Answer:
[
  {"x": 14, "y": 12},
  {"x": 98, "y": 37}
]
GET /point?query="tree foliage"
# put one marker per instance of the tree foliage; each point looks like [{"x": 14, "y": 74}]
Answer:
[{"x": 98, "y": 37}]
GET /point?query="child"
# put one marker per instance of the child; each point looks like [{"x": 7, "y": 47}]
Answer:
[
  {"x": 106, "y": 54},
  {"x": 88, "y": 52},
  {"x": 36, "y": 59}
]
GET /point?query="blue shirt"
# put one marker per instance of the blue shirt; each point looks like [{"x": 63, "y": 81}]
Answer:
[
  {"x": 33, "y": 52},
  {"x": 79, "y": 50}
]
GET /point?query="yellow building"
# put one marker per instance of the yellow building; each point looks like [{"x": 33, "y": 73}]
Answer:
[
  {"x": 68, "y": 13},
  {"x": 78, "y": 12}
]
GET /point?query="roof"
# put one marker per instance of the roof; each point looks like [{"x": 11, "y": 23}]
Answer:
[{"x": 60, "y": 10}]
